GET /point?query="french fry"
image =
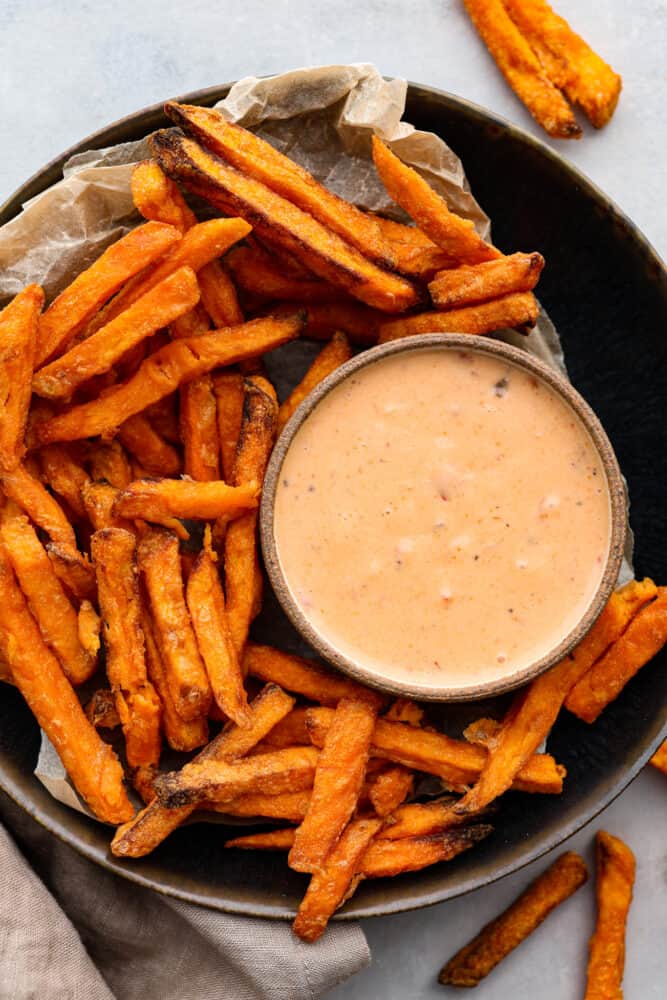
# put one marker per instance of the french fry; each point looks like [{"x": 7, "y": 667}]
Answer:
[
  {"x": 43, "y": 510},
  {"x": 114, "y": 557},
  {"x": 109, "y": 463},
  {"x": 301, "y": 676},
  {"x": 495, "y": 941},
  {"x": 199, "y": 429},
  {"x": 73, "y": 308},
  {"x": 338, "y": 779},
  {"x": 483, "y": 731},
  {"x": 256, "y": 158},
  {"x": 288, "y": 805},
  {"x": 218, "y": 295},
  {"x": 642, "y": 640},
  {"x": 74, "y": 571},
  {"x": 456, "y": 762},
  {"x": 98, "y": 500},
  {"x": 567, "y": 60},
  {"x": 242, "y": 577},
  {"x": 163, "y": 416},
  {"x": 420, "y": 819},
  {"x": 360, "y": 323},
  {"x": 522, "y": 69},
  {"x": 162, "y": 372},
  {"x": 615, "y": 866},
  {"x": 64, "y": 475},
  {"x": 468, "y": 285},
  {"x": 331, "y": 357},
  {"x": 255, "y": 272},
  {"x": 289, "y": 770},
  {"x": 659, "y": 758},
  {"x": 157, "y": 198},
  {"x": 516, "y": 310},
  {"x": 159, "y": 562},
  {"x": 320, "y": 249},
  {"x": 157, "y": 499},
  {"x": 404, "y": 710},
  {"x": 290, "y": 731},
  {"x": 416, "y": 255},
  {"x": 389, "y": 789},
  {"x": 272, "y": 840},
  {"x": 89, "y": 625},
  {"x": 50, "y": 606},
  {"x": 535, "y": 709},
  {"x": 18, "y": 335},
  {"x": 165, "y": 302},
  {"x": 384, "y": 858},
  {"x": 206, "y": 603},
  {"x": 150, "y": 827},
  {"x": 228, "y": 389},
  {"x": 331, "y": 884},
  {"x": 101, "y": 710},
  {"x": 92, "y": 765},
  {"x": 147, "y": 446}
]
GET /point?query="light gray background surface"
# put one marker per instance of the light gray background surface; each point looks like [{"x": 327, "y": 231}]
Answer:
[{"x": 68, "y": 67}]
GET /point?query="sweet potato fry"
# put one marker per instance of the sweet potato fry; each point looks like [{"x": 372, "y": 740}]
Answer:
[
  {"x": 420, "y": 819},
  {"x": 18, "y": 335},
  {"x": 150, "y": 827},
  {"x": 109, "y": 463},
  {"x": 92, "y": 765},
  {"x": 101, "y": 710},
  {"x": 218, "y": 295},
  {"x": 73, "y": 308},
  {"x": 320, "y": 249},
  {"x": 615, "y": 866},
  {"x": 165, "y": 302},
  {"x": 89, "y": 626},
  {"x": 335, "y": 880},
  {"x": 642, "y": 640},
  {"x": 228, "y": 389},
  {"x": 290, "y": 731},
  {"x": 456, "y": 762},
  {"x": 567, "y": 60},
  {"x": 288, "y": 805},
  {"x": 156, "y": 499},
  {"x": 468, "y": 285},
  {"x": 416, "y": 255},
  {"x": 516, "y": 310},
  {"x": 157, "y": 198},
  {"x": 98, "y": 500},
  {"x": 385, "y": 858},
  {"x": 163, "y": 416},
  {"x": 160, "y": 565},
  {"x": 495, "y": 941},
  {"x": 360, "y": 323},
  {"x": 389, "y": 789},
  {"x": 483, "y": 731},
  {"x": 148, "y": 447},
  {"x": 206, "y": 603},
  {"x": 289, "y": 770},
  {"x": 74, "y": 571},
  {"x": 338, "y": 779},
  {"x": 404, "y": 710},
  {"x": 535, "y": 709},
  {"x": 304, "y": 677},
  {"x": 256, "y": 158},
  {"x": 522, "y": 69},
  {"x": 162, "y": 372},
  {"x": 255, "y": 272},
  {"x": 50, "y": 606},
  {"x": 65, "y": 476},
  {"x": 659, "y": 758},
  {"x": 42, "y": 509},
  {"x": 331, "y": 357},
  {"x": 114, "y": 554},
  {"x": 272, "y": 840},
  {"x": 199, "y": 430}
]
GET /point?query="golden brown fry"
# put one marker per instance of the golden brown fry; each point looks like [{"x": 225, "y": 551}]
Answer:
[
  {"x": 160, "y": 565},
  {"x": 73, "y": 308},
  {"x": 522, "y": 69},
  {"x": 163, "y": 416},
  {"x": 218, "y": 295},
  {"x": 98, "y": 500},
  {"x": 516, "y": 310},
  {"x": 416, "y": 255},
  {"x": 162, "y": 372},
  {"x": 74, "y": 571},
  {"x": 157, "y": 499},
  {"x": 482, "y": 731},
  {"x": 289, "y": 770},
  {"x": 331, "y": 884},
  {"x": 50, "y": 606},
  {"x": 101, "y": 710},
  {"x": 65, "y": 476},
  {"x": 659, "y": 758},
  {"x": 171, "y": 298},
  {"x": 272, "y": 840},
  {"x": 535, "y": 709},
  {"x": 109, "y": 463},
  {"x": 148, "y": 447},
  {"x": 150, "y": 827},
  {"x": 157, "y": 198},
  {"x": 199, "y": 429},
  {"x": 89, "y": 625},
  {"x": 389, "y": 788},
  {"x": 385, "y": 858},
  {"x": 567, "y": 60},
  {"x": 288, "y": 805},
  {"x": 43, "y": 510},
  {"x": 338, "y": 779},
  {"x": 228, "y": 388},
  {"x": 473, "y": 283},
  {"x": 304, "y": 677},
  {"x": 255, "y": 272},
  {"x": 404, "y": 710},
  {"x": 18, "y": 335},
  {"x": 420, "y": 819},
  {"x": 615, "y": 866},
  {"x": 206, "y": 603},
  {"x": 456, "y": 762},
  {"x": 495, "y": 941},
  {"x": 642, "y": 640},
  {"x": 320, "y": 249},
  {"x": 290, "y": 731},
  {"x": 360, "y": 323},
  {"x": 92, "y": 765},
  {"x": 114, "y": 557},
  {"x": 331, "y": 357},
  {"x": 258, "y": 159}
]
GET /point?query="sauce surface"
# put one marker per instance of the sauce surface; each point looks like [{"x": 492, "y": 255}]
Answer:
[{"x": 442, "y": 517}]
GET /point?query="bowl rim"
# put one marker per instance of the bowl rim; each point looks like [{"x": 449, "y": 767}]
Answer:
[
  {"x": 16, "y": 784},
  {"x": 567, "y": 394}
]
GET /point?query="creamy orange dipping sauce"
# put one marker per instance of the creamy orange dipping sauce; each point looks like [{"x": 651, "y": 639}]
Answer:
[{"x": 442, "y": 517}]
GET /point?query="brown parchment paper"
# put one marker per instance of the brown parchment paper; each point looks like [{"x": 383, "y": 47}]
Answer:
[{"x": 322, "y": 117}]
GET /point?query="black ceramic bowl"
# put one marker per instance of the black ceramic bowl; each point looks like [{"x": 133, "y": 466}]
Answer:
[{"x": 606, "y": 290}]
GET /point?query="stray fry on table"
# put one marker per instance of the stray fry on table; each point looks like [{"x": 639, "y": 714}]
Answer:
[{"x": 615, "y": 866}]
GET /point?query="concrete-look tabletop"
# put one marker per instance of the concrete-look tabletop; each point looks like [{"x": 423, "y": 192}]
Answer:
[{"x": 68, "y": 68}]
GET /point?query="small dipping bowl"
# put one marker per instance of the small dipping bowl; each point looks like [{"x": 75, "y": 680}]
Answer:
[{"x": 462, "y": 489}]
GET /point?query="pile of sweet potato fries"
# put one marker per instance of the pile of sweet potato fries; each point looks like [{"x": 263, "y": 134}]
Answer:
[{"x": 137, "y": 405}]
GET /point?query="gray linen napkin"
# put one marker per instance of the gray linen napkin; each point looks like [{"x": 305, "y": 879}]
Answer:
[{"x": 71, "y": 931}]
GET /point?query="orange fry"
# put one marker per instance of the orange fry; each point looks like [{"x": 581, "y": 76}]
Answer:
[
  {"x": 385, "y": 858},
  {"x": 255, "y": 272},
  {"x": 495, "y": 941},
  {"x": 157, "y": 499},
  {"x": 304, "y": 677},
  {"x": 148, "y": 447},
  {"x": 659, "y": 758},
  {"x": 218, "y": 295},
  {"x": 163, "y": 416},
  {"x": 473, "y": 283},
  {"x": 98, "y": 500},
  {"x": 42, "y": 509},
  {"x": 228, "y": 389},
  {"x": 613, "y": 890},
  {"x": 389, "y": 789},
  {"x": 522, "y": 69},
  {"x": 516, "y": 310},
  {"x": 109, "y": 463},
  {"x": 290, "y": 731},
  {"x": 338, "y": 779},
  {"x": 331, "y": 357},
  {"x": 416, "y": 255},
  {"x": 404, "y": 710},
  {"x": 199, "y": 429},
  {"x": 360, "y": 323},
  {"x": 89, "y": 626},
  {"x": 272, "y": 840},
  {"x": 64, "y": 475},
  {"x": 157, "y": 198},
  {"x": 288, "y": 805},
  {"x": 18, "y": 334},
  {"x": 74, "y": 571},
  {"x": 420, "y": 819}
]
